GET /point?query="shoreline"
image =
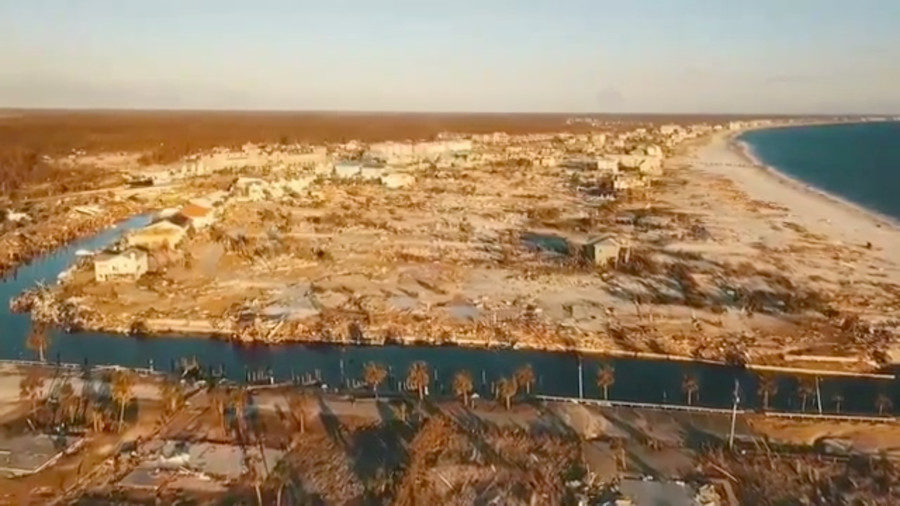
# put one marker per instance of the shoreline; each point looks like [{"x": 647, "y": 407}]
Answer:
[
  {"x": 743, "y": 149},
  {"x": 870, "y": 371},
  {"x": 822, "y": 212}
]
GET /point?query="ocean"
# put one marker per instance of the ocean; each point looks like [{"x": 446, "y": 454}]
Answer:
[{"x": 858, "y": 162}]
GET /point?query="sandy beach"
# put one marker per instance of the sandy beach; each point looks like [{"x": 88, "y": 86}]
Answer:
[{"x": 724, "y": 155}]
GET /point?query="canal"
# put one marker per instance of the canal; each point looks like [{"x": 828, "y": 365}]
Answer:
[{"x": 639, "y": 380}]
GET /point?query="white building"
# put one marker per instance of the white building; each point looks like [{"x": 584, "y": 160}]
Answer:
[
  {"x": 601, "y": 249},
  {"x": 163, "y": 233},
  {"x": 345, "y": 170},
  {"x": 131, "y": 264},
  {"x": 397, "y": 180}
]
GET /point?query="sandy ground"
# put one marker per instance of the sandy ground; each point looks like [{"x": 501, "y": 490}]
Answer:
[{"x": 819, "y": 212}]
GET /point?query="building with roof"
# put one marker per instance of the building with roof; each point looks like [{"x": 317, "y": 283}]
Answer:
[
  {"x": 198, "y": 216},
  {"x": 163, "y": 233},
  {"x": 600, "y": 250},
  {"x": 130, "y": 264}
]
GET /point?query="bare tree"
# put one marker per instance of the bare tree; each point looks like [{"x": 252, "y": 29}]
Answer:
[
  {"x": 418, "y": 378},
  {"x": 883, "y": 403},
  {"x": 606, "y": 376},
  {"x": 219, "y": 401},
  {"x": 299, "y": 403},
  {"x": 172, "y": 395},
  {"x": 68, "y": 402},
  {"x": 374, "y": 374},
  {"x": 805, "y": 389},
  {"x": 31, "y": 387},
  {"x": 462, "y": 386}
]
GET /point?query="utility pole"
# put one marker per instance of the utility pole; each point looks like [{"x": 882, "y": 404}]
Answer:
[
  {"x": 580, "y": 379},
  {"x": 737, "y": 398}
]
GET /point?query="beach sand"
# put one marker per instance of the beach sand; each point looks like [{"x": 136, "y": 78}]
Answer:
[{"x": 816, "y": 211}]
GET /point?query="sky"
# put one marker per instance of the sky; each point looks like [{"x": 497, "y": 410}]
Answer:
[{"x": 664, "y": 56}]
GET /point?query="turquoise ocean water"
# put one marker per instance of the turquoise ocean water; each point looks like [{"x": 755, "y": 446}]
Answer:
[{"x": 859, "y": 162}]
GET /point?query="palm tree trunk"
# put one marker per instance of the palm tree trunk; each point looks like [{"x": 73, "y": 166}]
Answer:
[
  {"x": 121, "y": 414},
  {"x": 41, "y": 353},
  {"x": 507, "y": 402},
  {"x": 690, "y": 398},
  {"x": 258, "y": 494},
  {"x": 606, "y": 392},
  {"x": 765, "y": 400}
]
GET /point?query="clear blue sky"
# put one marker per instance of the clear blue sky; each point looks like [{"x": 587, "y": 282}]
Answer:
[{"x": 754, "y": 56}]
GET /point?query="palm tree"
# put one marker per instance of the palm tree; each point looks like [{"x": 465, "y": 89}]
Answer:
[
  {"x": 238, "y": 399},
  {"x": 374, "y": 374},
  {"x": 837, "y": 399},
  {"x": 805, "y": 389},
  {"x": 882, "y": 403},
  {"x": 525, "y": 377},
  {"x": 31, "y": 387},
  {"x": 218, "y": 398},
  {"x": 123, "y": 391},
  {"x": 38, "y": 340},
  {"x": 68, "y": 402},
  {"x": 690, "y": 386},
  {"x": 606, "y": 376},
  {"x": 418, "y": 378},
  {"x": 506, "y": 389},
  {"x": 462, "y": 386},
  {"x": 299, "y": 403},
  {"x": 767, "y": 388},
  {"x": 172, "y": 395},
  {"x": 253, "y": 475}
]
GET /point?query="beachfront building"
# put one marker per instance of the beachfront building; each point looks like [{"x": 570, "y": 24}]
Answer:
[
  {"x": 198, "y": 216},
  {"x": 346, "y": 170},
  {"x": 130, "y": 265},
  {"x": 397, "y": 180},
  {"x": 161, "y": 234},
  {"x": 600, "y": 250}
]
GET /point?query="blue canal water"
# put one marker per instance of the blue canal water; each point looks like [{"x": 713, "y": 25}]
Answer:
[
  {"x": 858, "y": 162},
  {"x": 557, "y": 373}
]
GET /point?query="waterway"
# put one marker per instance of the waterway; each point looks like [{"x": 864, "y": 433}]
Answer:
[{"x": 638, "y": 380}]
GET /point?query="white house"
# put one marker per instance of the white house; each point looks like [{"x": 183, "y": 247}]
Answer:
[
  {"x": 601, "y": 249},
  {"x": 131, "y": 264},
  {"x": 346, "y": 170},
  {"x": 397, "y": 180},
  {"x": 163, "y": 233}
]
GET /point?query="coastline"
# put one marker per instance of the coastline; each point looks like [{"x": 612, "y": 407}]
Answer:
[
  {"x": 837, "y": 218},
  {"x": 745, "y": 150}
]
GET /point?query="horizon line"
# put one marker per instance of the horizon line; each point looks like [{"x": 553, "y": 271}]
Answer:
[{"x": 424, "y": 112}]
